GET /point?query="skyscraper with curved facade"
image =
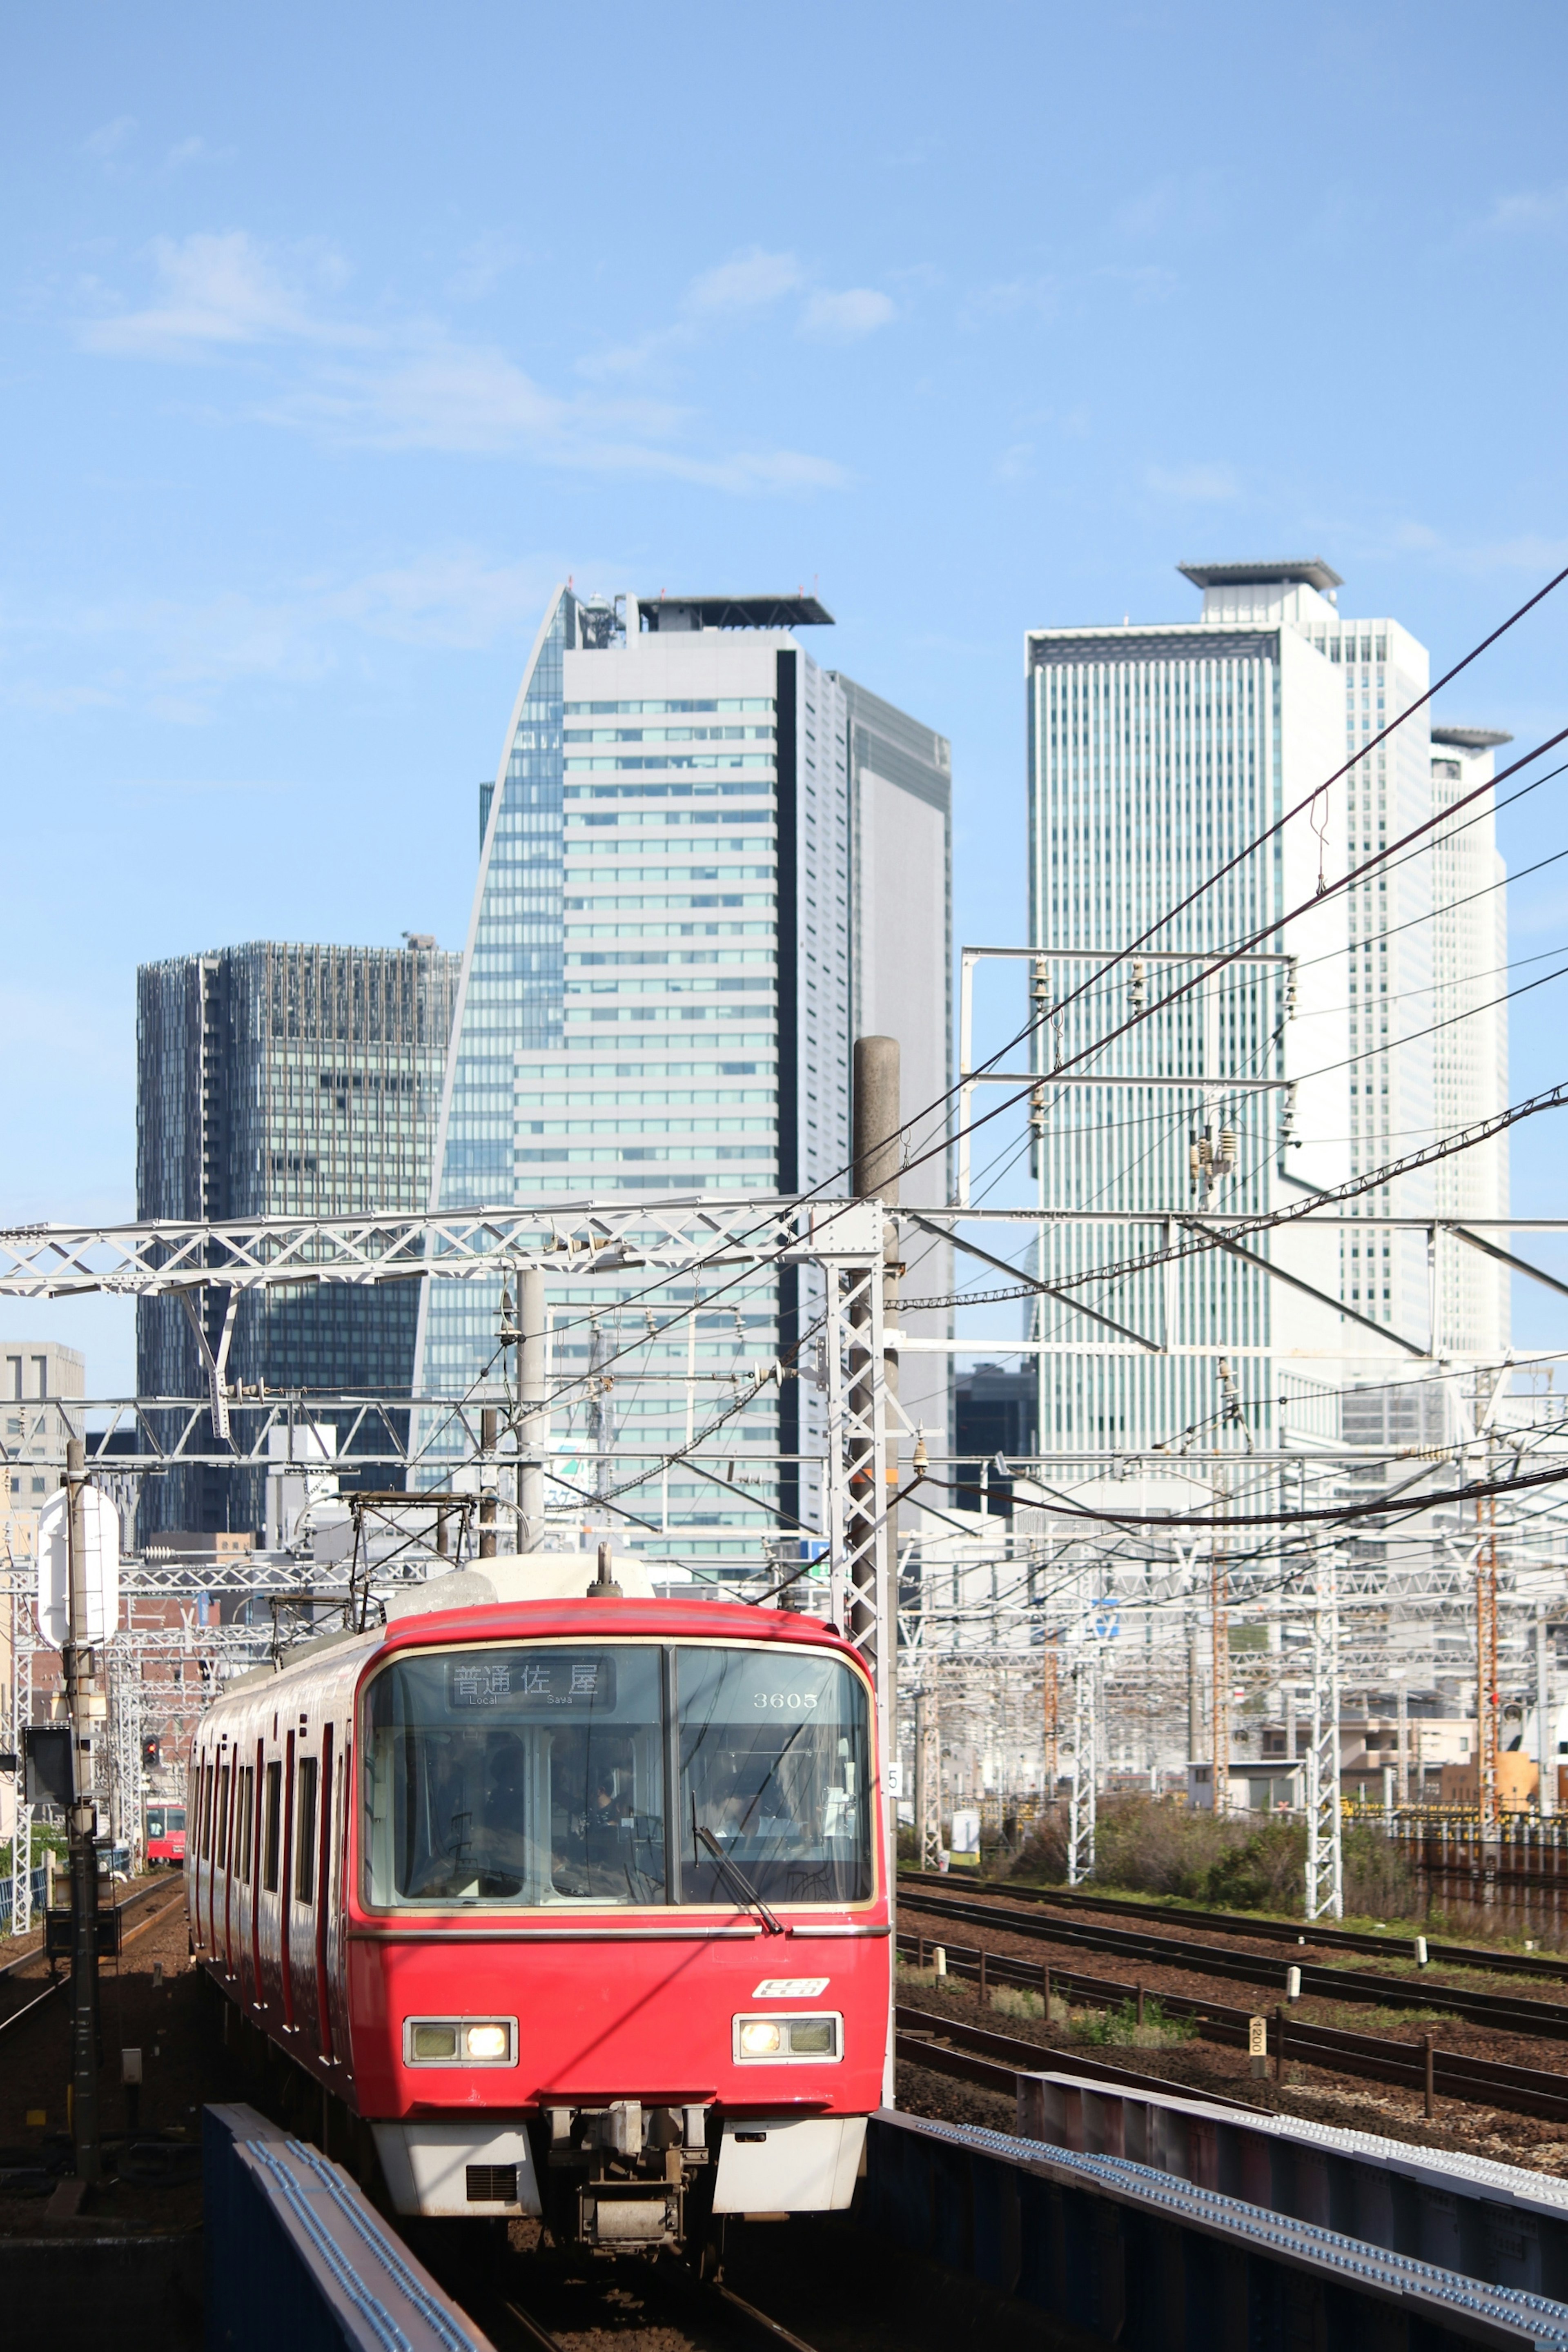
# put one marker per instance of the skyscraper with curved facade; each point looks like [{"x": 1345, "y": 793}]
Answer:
[{"x": 707, "y": 862}]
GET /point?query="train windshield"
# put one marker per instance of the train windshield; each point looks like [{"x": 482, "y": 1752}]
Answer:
[{"x": 540, "y": 1775}]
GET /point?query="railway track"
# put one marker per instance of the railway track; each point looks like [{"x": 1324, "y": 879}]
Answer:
[
  {"x": 682, "y": 2301},
  {"x": 1482, "y": 2081},
  {"x": 57, "y": 1982},
  {"x": 1551, "y": 1968},
  {"x": 1508, "y": 2012}
]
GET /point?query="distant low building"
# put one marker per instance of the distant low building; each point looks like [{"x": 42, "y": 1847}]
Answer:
[{"x": 37, "y": 1380}]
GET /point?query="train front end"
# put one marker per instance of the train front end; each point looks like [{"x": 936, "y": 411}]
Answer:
[{"x": 618, "y": 1950}]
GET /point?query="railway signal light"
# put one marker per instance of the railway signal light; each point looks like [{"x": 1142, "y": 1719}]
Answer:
[{"x": 151, "y": 1752}]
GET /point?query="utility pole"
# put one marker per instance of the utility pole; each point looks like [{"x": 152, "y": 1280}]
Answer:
[
  {"x": 533, "y": 1394},
  {"x": 490, "y": 1421},
  {"x": 1052, "y": 1722},
  {"x": 85, "y": 1705},
  {"x": 1194, "y": 1695},
  {"x": 1545, "y": 1722},
  {"x": 1219, "y": 1570}
]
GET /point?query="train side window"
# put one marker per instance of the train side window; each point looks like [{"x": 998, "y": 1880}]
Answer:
[
  {"x": 206, "y": 1805},
  {"x": 272, "y": 1828},
  {"x": 246, "y": 1817},
  {"x": 223, "y": 1817},
  {"x": 305, "y": 1783}
]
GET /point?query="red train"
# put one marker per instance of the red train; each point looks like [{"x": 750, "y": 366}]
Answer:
[
  {"x": 163, "y": 1829},
  {"x": 581, "y": 1905}
]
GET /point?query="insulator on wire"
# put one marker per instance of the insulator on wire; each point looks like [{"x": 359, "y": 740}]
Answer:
[
  {"x": 1137, "y": 992},
  {"x": 1040, "y": 982}
]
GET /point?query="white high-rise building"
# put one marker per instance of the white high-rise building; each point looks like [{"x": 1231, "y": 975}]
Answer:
[
  {"x": 1470, "y": 940},
  {"x": 1157, "y": 755},
  {"x": 707, "y": 863}
]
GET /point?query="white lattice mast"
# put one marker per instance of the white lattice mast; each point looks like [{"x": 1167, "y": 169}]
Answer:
[
  {"x": 1081, "y": 1805},
  {"x": 20, "y": 1702},
  {"x": 1325, "y": 1847},
  {"x": 928, "y": 1772}
]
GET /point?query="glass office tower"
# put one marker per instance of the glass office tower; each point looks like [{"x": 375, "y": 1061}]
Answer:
[
  {"x": 287, "y": 1081},
  {"x": 705, "y": 861},
  {"x": 1157, "y": 755}
]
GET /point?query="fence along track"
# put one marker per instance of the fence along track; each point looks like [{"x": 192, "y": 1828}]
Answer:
[
  {"x": 1508, "y": 2012},
  {"x": 1481, "y": 2081}
]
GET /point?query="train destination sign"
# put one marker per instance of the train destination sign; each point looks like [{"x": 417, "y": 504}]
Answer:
[{"x": 529, "y": 1682}]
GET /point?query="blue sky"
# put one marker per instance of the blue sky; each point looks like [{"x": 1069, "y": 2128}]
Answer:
[{"x": 334, "y": 338}]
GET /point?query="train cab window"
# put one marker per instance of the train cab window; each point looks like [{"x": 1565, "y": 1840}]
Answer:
[
  {"x": 305, "y": 1780},
  {"x": 532, "y": 1775},
  {"x": 537, "y": 1775},
  {"x": 775, "y": 1766},
  {"x": 272, "y": 1827},
  {"x": 156, "y": 1828}
]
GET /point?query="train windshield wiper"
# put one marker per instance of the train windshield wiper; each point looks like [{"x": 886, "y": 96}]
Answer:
[{"x": 738, "y": 1880}]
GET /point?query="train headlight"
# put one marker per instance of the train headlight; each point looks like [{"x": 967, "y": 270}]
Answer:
[
  {"x": 460, "y": 2041},
  {"x": 488, "y": 2043},
  {"x": 779, "y": 2041}
]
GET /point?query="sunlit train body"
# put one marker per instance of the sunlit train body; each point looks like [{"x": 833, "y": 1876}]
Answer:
[{"x": 580, "y": 1905}]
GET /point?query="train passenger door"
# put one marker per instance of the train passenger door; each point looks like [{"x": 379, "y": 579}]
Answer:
[
  {"x": 226, "y": 1777},
  {"x": 303, "y": 1908},
  {"x": 285, "y": 1919},
  {"x": 338, "y": 1882},
  {"x": 323, "y": 1878}
]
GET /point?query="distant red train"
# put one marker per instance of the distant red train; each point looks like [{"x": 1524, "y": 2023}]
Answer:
[
  {"x": 163, "y": 1833},
  {"x": 581, "y": 1905}
]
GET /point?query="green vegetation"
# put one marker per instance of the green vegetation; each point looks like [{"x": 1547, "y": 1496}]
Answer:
[
  {"x": 1239, "y": 1861},
  {"x": 45, "y": 1839},
  {"x": 1097, "y": 2027}
]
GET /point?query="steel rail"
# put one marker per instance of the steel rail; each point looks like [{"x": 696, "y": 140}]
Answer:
[
  {"x": 1507, "y": 2013},
  {"x": 58, "y": 1983},
  {"x": 10, "y": 1967},
  {"x": 1284, "y": 1931},
  {"x": 1481, "y": 2081}
]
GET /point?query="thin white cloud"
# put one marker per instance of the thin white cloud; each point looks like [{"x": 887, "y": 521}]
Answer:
[
  {"x": 109, "y": 142},
  {"x": 1201, "y": 485},
  {"x": 1529, "y": 210},
  {"x": 218, "y": 291},
  {"x": 411, "y": 383},
  {"x": 845, "y": 318},
  {"x": 195, "y": 150},
  {"x": 1045, "y": 296},
  {"x": 752, "y": 281}
]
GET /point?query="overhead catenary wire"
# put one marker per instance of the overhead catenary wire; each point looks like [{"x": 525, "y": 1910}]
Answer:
[{"x": 1224, "y": 956}]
